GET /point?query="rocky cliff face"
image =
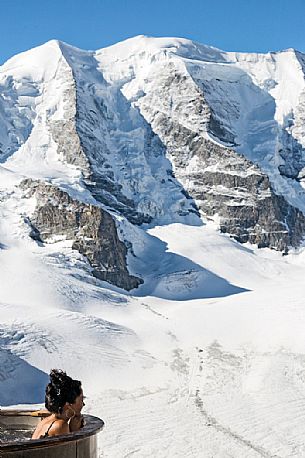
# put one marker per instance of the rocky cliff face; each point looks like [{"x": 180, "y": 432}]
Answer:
[
  {"x": 91, "y": 229},
  {"x": 226, "y": 184}
]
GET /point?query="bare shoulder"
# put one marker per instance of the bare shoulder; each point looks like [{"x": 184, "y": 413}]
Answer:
[
  {"x": 52, "y": 428},
  {"x": 59, "y": 427}
]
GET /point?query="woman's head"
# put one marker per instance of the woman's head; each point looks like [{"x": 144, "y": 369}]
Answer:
[{"x": 63, "y": 393}]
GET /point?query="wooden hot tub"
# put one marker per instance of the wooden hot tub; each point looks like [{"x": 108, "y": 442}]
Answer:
[{"x": 15, "y": 423}]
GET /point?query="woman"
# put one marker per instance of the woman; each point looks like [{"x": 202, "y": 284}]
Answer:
[{"x": 65, "y": 400}]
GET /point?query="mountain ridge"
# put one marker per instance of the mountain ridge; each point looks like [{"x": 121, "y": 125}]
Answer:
[{"x": 143, "y": 39}]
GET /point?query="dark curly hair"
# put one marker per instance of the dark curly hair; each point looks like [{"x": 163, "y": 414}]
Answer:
[{"x": 60, "y": 390}]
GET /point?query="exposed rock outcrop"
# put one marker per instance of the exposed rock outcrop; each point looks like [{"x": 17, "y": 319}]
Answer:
[
  {"x": 92, "y": 230},
  {"x": 63, "y": 130},
  {"x": 227, "y": 185}
]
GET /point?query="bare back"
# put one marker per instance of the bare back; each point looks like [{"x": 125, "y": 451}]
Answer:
[{"x": 49, "y": 427}]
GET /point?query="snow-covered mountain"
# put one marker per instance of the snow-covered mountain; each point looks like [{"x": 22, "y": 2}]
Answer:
[
  {"x": 157, "y": 129},
  {"x": 232, "y": 127},
  {"x": 128, "y": 178}
]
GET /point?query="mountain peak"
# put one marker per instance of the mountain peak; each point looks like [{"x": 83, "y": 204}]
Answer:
[
  {"x": 182, "y": 47},
  {"x": 43, "y": 55},
  {"x": 35, "y": 61}
]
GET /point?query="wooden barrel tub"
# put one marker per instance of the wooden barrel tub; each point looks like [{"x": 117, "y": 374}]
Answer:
[{"x": 15, "y": 423}]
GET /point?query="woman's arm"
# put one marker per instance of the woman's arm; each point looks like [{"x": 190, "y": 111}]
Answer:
[{"x": 76, "y": 423}]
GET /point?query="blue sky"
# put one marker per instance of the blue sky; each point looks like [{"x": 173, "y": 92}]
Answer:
[{"x": 235, "y": 25}]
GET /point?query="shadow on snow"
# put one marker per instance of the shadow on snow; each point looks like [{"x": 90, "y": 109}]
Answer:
[
  {"x": 20, "y": 382},
  {"x": 171, "y": 276}
]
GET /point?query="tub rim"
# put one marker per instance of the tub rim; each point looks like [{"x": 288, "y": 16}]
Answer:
[{"x": 93, "y": 426}]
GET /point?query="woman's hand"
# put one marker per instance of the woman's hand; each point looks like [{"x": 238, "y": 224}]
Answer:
[{"x": 76, "y": 423}]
